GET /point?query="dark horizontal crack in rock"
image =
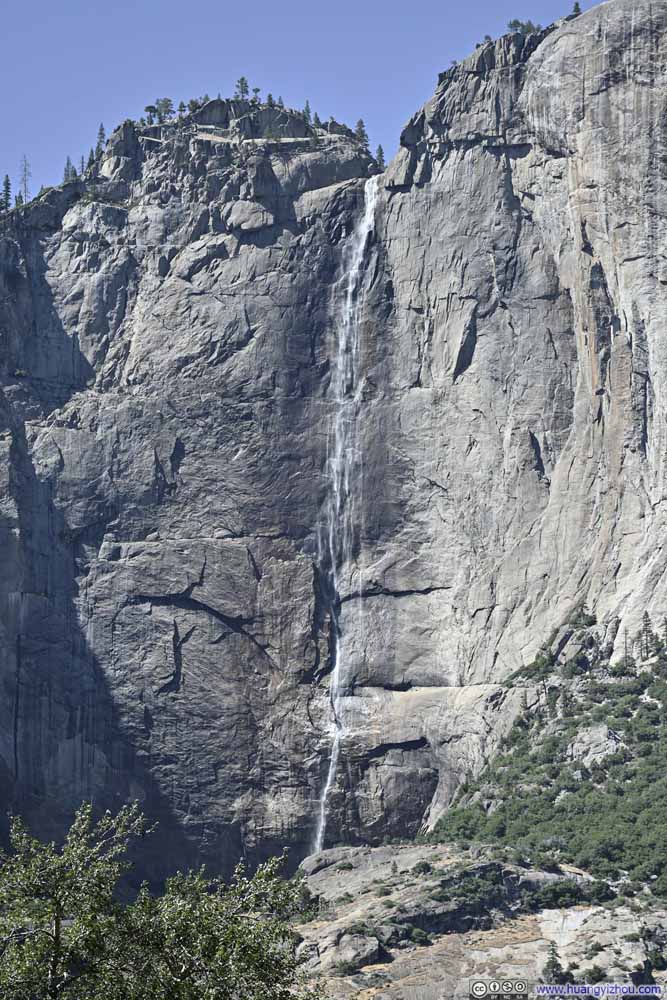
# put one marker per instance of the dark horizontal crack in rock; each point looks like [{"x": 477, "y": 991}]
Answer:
[
  {"x": 185, "y": 602},
  {"x": 385, "y": 592}
]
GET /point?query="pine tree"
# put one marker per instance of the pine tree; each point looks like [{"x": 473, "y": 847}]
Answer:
[
  {"x": 193, "y": 105},
  {"x": 269, "y": 100},
  {"x": 205, "y": 99},
  {"x": 101, "y": 141},
  {"x": 25, "y": 174},
  {"x": 82, "y": 166},
  {"x": 67, "y": 172},
  {"x": 646, "y": 636},
  {"x": 379, "y": 156},
  {"x": 317, "y": 122},
  {"x": 164, "y": 107},
  {"x": 255, "y": 95},
  {"x": 553, "y": 971},
  {"x": 242, "y": 89},
  {"x": 18, "y": 200},
  {"x": 181, "y": 109},
  {"x": 6, "y": 193},
  {"x": 576, "y": 10},
  {"x": 361, "y": 133},
  {"x": 517, "y": 27},
  {"x": 91, "y": 159},
  {"x": 281, "y": 103},
  {"x": 306, "y": 111}
]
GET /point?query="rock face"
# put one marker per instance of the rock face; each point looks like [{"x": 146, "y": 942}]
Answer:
[
  {"x": 167, "y": 623},
  {"x": 391, "y": 936}
]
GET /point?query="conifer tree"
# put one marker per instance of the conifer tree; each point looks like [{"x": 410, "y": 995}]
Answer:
[
  {"x": 242, "y": 89},
  {"x": 82, "y": 166},
  {"x": 270, "y": 101},
  {"x": 18, "y": 200},
  {"x": 255, "y": 95},
  {"x": 515, "y": 26},
  {"x": 101, "y": 141},
  {"x": 576, "y": 10},
  {"x": 6, "y": 193},
  {"x": 553, "y": 971},
  {"x": 164, "y": 107},
  {"x": 25, "y": 175},
  {"x": 361, "y": 133},
  {"x": 317, "y": 122},
  {"x": 379, "y": 156},
  {"x": 67, "y": 172},
  {"x": 646, "y": 636},
  {"x": 281, "y": 103},
  {"x": 91, "y": 159},
  {"x": 181, "y": 109},
  {"x": 306, "y": 111}
]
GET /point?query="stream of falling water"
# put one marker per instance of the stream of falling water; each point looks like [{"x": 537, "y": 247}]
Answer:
[{"x": 337, "y": 532}]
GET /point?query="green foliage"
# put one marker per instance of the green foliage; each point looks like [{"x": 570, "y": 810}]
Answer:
[
  {"x": 101, "y": 141},
  {"x": 422, "y": 868},
  {"x": 379, "y": 156},
  {"x": 553, "y": 971},
  {"x": 607, "y": 818},
  {"x": 419, "y": 936},
  {"x": 242, "y": 89},
  {"x": 64, "y": 935},
  {"x": 57, "y": 912},
  {"x": 361, "y": 133},
  {"x": 522, "y": 27},
  {"x": 25, "y": 174},
  {"x": 69, "y": 173},
  {"x": 6, "y": 196},
  {"x": 164, "y": 108},
  {"x": 576, "y": 10}
]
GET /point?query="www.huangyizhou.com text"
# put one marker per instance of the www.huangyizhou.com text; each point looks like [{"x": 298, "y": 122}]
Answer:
[{"x": 599, "y": 990}]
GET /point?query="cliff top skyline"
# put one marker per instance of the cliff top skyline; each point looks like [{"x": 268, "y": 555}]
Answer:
[{"x": 98, "y": 65}]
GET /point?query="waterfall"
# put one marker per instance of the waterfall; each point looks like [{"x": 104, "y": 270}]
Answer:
[{"x": 344, "y": 465}]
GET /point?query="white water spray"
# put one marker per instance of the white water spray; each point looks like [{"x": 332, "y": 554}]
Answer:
[{"x": 336, "y": 535}]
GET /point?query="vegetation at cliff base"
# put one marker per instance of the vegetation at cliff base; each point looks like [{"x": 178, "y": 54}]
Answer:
[
  {"x": 582, "y": 775},
  {"x": 64, "y": 934}
]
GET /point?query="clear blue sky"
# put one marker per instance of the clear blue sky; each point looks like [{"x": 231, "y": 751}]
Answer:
[{"x": 68, "y": 65}]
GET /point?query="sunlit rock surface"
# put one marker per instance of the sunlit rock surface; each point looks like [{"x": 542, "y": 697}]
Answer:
[{"x": 168, "y": 331}]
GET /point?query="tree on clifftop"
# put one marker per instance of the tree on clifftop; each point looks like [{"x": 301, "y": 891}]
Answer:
[
  {"x": 101, "y": 141},
  {"x": 518, "y": 27},
  {"x": 6, "y": 194},
  {"x": 379, "y": 156},
  {"x": 69, "y": 173},
  {"x": 164, "y": 108},
  {"x": 25, "y": 173},
  {"x": 242, "y": 88},
  {"x": 361, "y": 133}
]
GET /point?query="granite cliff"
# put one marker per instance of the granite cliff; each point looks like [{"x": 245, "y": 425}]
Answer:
[{"x": 174, "y": 611}]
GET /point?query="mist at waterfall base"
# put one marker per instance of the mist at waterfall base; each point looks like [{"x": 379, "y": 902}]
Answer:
[{"x": 338, "y": 528}]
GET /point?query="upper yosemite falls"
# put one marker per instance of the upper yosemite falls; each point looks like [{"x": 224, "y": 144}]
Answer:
[{"x": 302, "y": 460}]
